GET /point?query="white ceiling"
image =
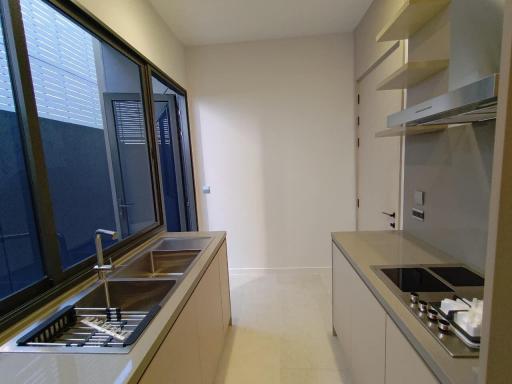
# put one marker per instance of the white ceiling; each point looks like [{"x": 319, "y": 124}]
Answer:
[{"x": 202, "y": 22}]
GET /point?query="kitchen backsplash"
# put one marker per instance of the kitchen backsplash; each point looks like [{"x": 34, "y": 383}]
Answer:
[{"x": 453, "y": 168}]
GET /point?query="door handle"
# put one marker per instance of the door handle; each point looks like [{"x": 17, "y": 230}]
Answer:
[{"x": 392, "y": 215}]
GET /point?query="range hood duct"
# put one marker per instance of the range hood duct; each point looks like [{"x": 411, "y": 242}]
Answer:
[{"x": 472, "y": 103}]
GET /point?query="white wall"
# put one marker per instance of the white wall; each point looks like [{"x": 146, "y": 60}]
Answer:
[
  {"x": 140, "y": 25},
  {"x": 273, "y": 130}
]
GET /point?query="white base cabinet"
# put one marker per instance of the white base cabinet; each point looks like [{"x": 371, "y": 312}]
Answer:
[
  {"x": 375, "y": 349},
  {"x": 192, "y": 349},
  {"x": 224, "y": 286},
  {"x": 208, "y": 302},
  {"x": 403, "y": 364},
  {"x": 177, "y": 360},
  {"x": 360, "y": 323}
]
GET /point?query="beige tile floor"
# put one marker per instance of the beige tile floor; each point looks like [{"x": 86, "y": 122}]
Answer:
[{"x": 282, "y": 332}]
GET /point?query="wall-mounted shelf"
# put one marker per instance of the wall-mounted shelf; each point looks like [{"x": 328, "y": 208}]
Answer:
[
  {"x": 413, "y": 15},
  {"x": 412, "y": 73},
  {"x": 409, "y": 131}
]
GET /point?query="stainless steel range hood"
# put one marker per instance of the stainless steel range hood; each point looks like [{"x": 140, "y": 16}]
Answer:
[{"x": 472, "y": 103}]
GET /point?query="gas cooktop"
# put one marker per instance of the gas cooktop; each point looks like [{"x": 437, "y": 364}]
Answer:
[{"x": 421, "y": 288}]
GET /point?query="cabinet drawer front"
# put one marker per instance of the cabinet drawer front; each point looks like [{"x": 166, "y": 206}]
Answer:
[
  {"x": 224, "y": 286},
  {"x": 341, "y": 293},
  {"x": 359, "y": 321},
  {"x": 208, "y": 303},
  {"x": 403, "y": 364},
  {"x": 177, "y": 359}
]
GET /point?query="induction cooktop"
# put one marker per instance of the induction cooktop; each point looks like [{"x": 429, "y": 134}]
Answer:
[
  {"x": 415, "y": 279},
  {"x": 458, "y": 276},
  {"x": 422, "y": 288}
]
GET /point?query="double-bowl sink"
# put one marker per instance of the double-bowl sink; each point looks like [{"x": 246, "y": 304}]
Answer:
[{"x": 125, "y": 302}]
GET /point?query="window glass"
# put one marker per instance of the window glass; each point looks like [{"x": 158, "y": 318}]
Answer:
[
  {"x": 89, "y": 102},
  {"x": 170, "y": 111},
  {"x": 20, "y": 259},
  {"x": 166, "y": 128}
]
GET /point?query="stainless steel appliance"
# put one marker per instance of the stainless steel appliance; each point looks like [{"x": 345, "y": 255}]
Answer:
[
  {"x": 121, "y": 303},
  {"x": 421, "y": 288},
  {"x": 472, "y": 103}
]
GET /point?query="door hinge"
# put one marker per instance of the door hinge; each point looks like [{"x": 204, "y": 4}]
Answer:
[
  {"x": 358, "y": 99},
  {"x": 357, "y": 203},
  {"x": 358, "y": 121},
  {"x": 358, "y": 142}
]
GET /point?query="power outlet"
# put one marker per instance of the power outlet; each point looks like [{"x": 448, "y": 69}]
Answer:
[{"x": 418, "y": 214}]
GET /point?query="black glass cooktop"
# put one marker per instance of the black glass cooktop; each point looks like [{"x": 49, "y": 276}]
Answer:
[
  {"x": 415, "y": 280},
  {"x": 459, "y": 276}
]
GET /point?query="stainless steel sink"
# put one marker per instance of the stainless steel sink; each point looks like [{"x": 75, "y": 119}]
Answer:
[
  {"x": 156, "y": 264},
  {"x": 129, "y": 295},
  {"x": 176, "y": 244},
  {"x": 133, "y": 304},
  {"x": 125, "y": 302}
]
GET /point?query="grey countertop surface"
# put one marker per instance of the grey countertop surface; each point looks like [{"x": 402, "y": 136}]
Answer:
[
  {"x": 364, "y": 249},
  {"x": 53, "y": 368}
]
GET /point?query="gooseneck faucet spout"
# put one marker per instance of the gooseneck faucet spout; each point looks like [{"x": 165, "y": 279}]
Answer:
[
  {"x": 99, "y": 247},
  {"x": 101, "y": 267}
]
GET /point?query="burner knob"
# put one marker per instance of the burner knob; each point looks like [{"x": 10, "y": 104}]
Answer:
[
  {"x": 423, "y": 306},
  {"x": 414, "y": 297},
  {"x": 443, "y": 325},
  {"x": 432, "y": 314}
]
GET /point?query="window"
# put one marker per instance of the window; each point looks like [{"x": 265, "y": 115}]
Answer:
[
  {"x": 171, "y": 127},
  {"x": 78, "y": 150},
  {"x": 94, "y": 138},
  {"x": 20, "y": 258}
]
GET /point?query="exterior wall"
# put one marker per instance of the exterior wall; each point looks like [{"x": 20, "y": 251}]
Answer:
[{"x": 140, "y": 25}]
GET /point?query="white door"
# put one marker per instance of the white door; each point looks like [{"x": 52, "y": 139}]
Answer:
[{"x": 378, "y": 159}]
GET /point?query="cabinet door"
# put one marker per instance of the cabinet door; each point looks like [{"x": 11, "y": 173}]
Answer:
[
  {"x": 208, "y": 304},
  {"x": 224, "y": 286},
  {"x": 177, "y": 359},
  {"x": 403, "y": 364},
  {"x": 368, "y": 335},
  {"x": 341, "y": 297}
]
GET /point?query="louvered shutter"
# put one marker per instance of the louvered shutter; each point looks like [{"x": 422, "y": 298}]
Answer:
[
  {"x": 6, "y": 98},
  {"x": 129, "y": 122},
  {"x": 63, "y": 66}
]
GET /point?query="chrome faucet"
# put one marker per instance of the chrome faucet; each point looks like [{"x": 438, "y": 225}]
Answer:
[{"x": 101, "y": 267}]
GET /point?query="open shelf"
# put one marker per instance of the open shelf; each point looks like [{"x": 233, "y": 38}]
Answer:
[
  {"x": 413, "y": 15},
  {"x": 409, "y": 131},
  {"x": 412, "y": 73}
]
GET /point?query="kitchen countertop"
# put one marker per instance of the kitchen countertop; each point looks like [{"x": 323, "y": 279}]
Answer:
[
  {"x": 53, "y": 368},
  {"x": 364, "y": 249}
]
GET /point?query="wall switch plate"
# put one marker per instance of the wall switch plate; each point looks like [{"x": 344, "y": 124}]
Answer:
[
  {"x": 418, "y": 214},
  {"x": 419, "y": 198}
]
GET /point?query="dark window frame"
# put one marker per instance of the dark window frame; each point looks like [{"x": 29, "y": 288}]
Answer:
[
  {"x": 58, "y": 280},
  {"x": 190, "y": 195}
]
